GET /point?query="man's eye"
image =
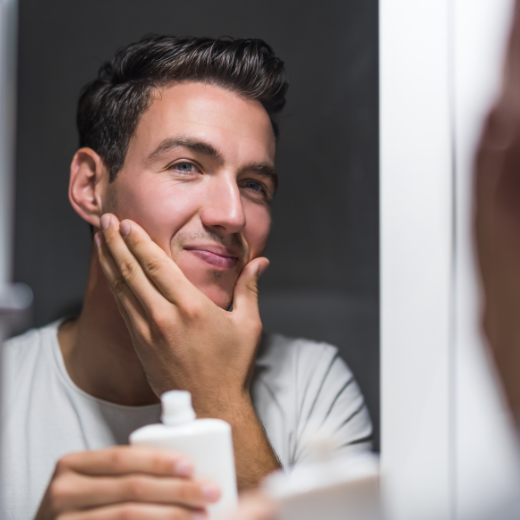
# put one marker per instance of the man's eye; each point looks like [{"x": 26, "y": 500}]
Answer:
[
  {"x": 183, "y": 167},
  {"x": 252, "y": 185}
]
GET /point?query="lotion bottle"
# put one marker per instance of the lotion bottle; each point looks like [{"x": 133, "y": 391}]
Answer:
[{"x": 207, "y": 442}]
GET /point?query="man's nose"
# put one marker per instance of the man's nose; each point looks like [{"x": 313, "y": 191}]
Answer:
[{"x": 223, "y": 209}]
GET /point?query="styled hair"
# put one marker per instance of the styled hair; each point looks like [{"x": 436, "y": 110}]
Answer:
[{"x": 110, "y": 107}]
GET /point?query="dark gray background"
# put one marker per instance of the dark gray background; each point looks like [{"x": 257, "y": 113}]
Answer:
[{"x": 323, "y": 281}]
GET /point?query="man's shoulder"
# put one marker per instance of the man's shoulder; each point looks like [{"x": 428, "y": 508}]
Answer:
[
  {"x": 282, "y": 346},
  {"x": 281, "y": 353},
  {"x": 31, "y": 344},
  {"x": 30, "y": 338}
]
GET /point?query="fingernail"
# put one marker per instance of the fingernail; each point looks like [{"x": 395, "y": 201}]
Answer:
[
  {"x": 262, "y": 269},
  {"x": 125, "y": 228},
  {"x": 200, "y": 515},
  {"x": 211, "y": 492},
  {"x": 184, "y": 468},
  {"x": 98, "y": 239},
  {"x": 105, "y": 221}
]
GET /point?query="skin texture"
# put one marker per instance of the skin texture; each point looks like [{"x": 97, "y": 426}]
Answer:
[
  {"x": 182, "y": 229},
  {"x": 497, "y": 224}
]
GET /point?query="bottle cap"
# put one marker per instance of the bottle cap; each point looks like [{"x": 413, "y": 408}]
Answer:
[{"x": 176, "y": 407}]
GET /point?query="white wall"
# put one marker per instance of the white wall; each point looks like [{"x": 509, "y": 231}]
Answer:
[
  {"x": 416, "y": 256},
  {"x": 447, "y": 448}
]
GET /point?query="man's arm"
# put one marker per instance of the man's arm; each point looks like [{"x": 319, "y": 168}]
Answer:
[{"x": 185, "y": 341}]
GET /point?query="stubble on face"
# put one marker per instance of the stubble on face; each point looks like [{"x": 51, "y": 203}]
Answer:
[
  {"x": 234, "y": 242},
  {"x": 182, "y": 238}
]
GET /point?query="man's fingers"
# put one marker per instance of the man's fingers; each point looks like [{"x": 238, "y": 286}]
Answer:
[
  {"x": 126, "y": 300},
  {"x": 75, "y": 491},
  {"x": 122, "y": 460},
  {"x": 129, "y": 272},
  {"x": 245, "y": 300},
  {"x": 136, "y": 512},
  {"x": 157, "y": 265}
]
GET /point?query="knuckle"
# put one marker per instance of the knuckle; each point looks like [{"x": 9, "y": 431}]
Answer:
[
  {"x": 127, "y": 268},
  {"x": 63, "y": 464},
  {"x": 136, "y": 488},
  {"x": 60, "y": 492},
  {"x": 188, "y": 492},
  {"x": 153, "y": 265},
  {"x": 119, "y": 285},
  {"x": 117, "y": 458},
  {"x": 161, "y": 319},
  {"x": 161, "y": 463},
  {"x": 253, "y": 290},
  {"x": 128, "y": 512},
  {"x": 191, "y": 310}
]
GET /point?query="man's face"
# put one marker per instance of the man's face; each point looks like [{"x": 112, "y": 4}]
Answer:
[{"x": 199, "y": 177}]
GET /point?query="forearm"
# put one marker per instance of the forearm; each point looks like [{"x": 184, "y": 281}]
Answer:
[{"x": 254, "y": 456}]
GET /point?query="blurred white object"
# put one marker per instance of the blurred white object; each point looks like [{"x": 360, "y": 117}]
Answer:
[
  {"x": 328, "y": 488},
  {"x": 207, "y": 442},
  {"x": 446, "y": 450}
]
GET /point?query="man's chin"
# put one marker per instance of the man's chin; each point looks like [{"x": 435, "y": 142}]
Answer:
[
  {"x": 217, "y": 285},
  {"x": 219, "y": 296}
]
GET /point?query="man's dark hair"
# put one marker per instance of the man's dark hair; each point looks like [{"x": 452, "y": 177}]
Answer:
[{"x": 110, "y": 107}]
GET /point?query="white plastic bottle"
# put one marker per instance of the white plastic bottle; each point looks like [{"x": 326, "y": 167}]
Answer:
[{"x": 207, "y": 442}]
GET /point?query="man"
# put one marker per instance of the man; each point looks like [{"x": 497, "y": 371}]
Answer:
[{"x": 176, "y": 175}]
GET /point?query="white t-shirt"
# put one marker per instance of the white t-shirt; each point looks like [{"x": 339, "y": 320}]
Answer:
[{"x": 300, "y": 388}]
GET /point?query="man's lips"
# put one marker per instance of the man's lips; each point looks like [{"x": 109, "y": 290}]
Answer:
[{"x": 216, "y": 256}]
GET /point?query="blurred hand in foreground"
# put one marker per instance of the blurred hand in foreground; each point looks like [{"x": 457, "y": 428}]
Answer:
[{"x": 497, "y": 223}]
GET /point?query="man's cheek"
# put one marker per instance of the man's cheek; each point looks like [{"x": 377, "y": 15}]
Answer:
[
  {"x": 257, "y": 235},
  {"x": 160, "y": 225}
]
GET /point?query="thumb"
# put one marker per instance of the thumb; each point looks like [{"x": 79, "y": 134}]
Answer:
[{"x": 245, "y": 300}]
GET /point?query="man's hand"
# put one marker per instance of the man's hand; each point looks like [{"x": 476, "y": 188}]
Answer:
[
  {"x": 125, "y": 482},
  {"x": 497, "y": 223},
  {"x": 185, "y": 341}
]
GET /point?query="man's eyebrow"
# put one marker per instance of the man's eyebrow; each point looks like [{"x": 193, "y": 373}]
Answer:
[
  {"x": 196, "y": 146},
  {"x": 264, "y": 169}
]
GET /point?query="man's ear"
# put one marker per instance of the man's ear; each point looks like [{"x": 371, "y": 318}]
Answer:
[{"x": 88, "y": 181}]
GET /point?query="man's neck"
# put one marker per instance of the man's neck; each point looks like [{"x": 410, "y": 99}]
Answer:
[{"x": 98, "y": 350}]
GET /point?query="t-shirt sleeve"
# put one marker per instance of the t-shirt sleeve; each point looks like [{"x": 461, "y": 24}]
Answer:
[{"x": 331, "y": 404}]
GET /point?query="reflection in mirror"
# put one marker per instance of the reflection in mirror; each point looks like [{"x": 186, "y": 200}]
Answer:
[{"x": 196, "y": 176}]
